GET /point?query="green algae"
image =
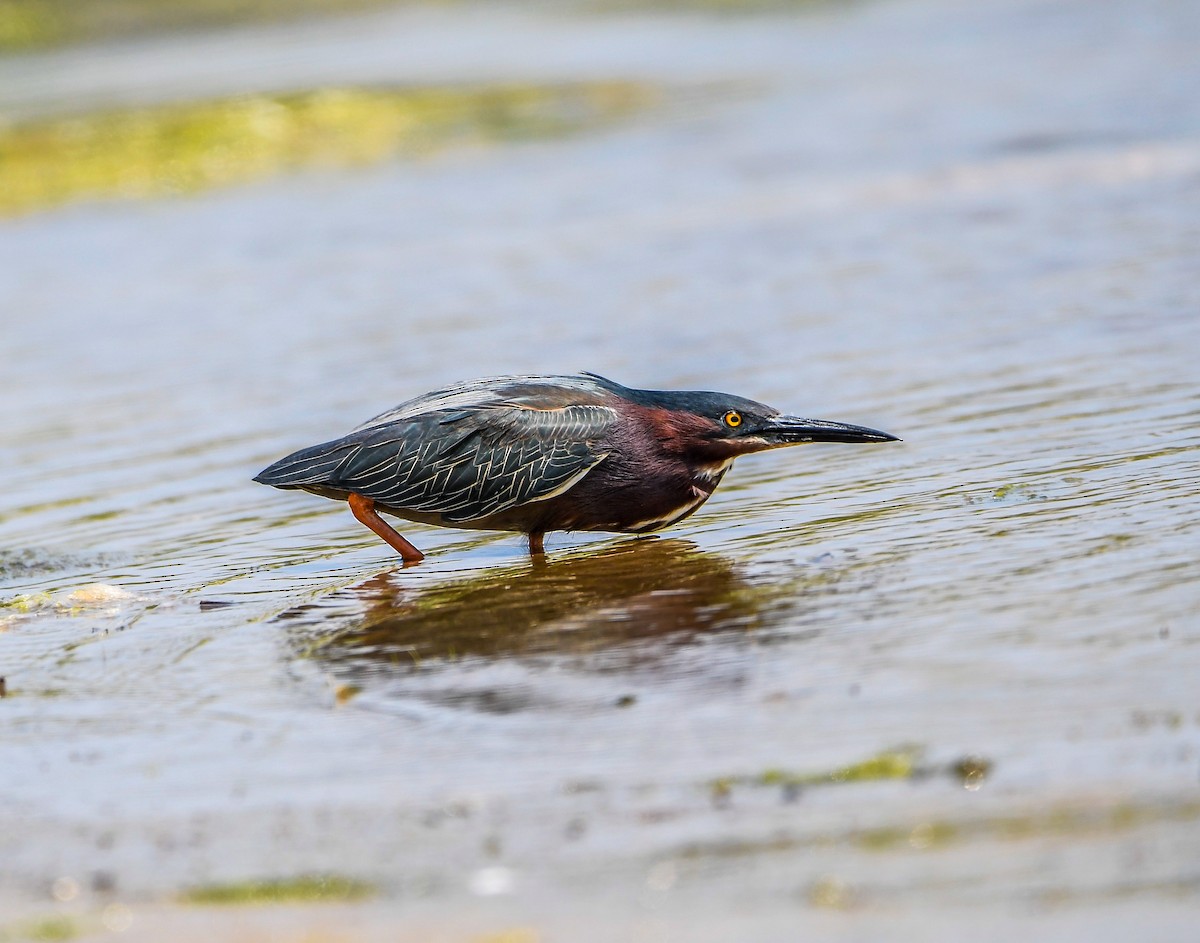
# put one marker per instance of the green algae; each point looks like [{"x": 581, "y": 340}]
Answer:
[
  {"x": 53, "y": 929},
  {"x": 29, "y": 24},
  {"x": 900, "y": 763},
  {"x": 175, "y": 149},
  {"x": 326, "y": 888},
  {"x": 923, "y": 835},
  {"x": 891, "y": 764},
  {"x": 1062, "y": 821},
  {"x": 27, "y": 602},
  {"x": 32, "y": 25}
]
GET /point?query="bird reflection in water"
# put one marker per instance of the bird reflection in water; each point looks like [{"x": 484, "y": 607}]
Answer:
[
  {"x": 577, "y": 633},
  {"x": 646, "y": 593}
]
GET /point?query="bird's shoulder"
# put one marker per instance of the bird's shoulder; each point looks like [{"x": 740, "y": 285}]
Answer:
[{"x": 527, "y": 402}]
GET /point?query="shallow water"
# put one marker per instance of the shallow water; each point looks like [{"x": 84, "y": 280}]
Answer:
[{"x": 973, "y": 227}]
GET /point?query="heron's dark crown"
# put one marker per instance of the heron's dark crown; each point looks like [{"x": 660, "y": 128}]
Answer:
[
  {"x": 691, "y": 416},
  {"x": 700, "y": 403}
]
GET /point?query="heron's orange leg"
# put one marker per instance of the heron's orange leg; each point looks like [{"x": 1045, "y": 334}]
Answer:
[
  {"x": 364, "y": 511},
  {"x": 536, "y": 548}
]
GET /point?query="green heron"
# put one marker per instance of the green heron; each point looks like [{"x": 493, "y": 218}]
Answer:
[{"x": 533, "y": 454}]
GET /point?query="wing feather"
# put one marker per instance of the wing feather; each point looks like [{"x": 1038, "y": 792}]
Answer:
[
  {"x": 473, "y": 463},
  {"x": 466, "y": 452}
]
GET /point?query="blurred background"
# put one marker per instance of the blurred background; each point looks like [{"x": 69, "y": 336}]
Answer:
[{"x": 912, "y": 692}]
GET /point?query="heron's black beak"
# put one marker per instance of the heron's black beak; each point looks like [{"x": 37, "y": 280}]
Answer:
[{"x": 790, "y": 430}]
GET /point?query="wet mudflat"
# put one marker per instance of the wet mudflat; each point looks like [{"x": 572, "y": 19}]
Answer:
[{"x": 906, "y": 691}]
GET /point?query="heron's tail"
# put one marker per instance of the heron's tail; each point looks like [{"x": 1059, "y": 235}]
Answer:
[{"x": 316, "y": 465}]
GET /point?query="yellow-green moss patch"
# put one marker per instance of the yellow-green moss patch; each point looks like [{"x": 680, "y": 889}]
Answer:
[
  {"x": 55, "y": 929},
  {"x": 38, "y": 24},
  {"x": 172, "y": 149},
  {"x": 890, "y": 764},
  {"x": 298, "y": 890}
]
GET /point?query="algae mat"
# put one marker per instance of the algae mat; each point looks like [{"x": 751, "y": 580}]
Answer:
[{"x": 187, "y": 147}]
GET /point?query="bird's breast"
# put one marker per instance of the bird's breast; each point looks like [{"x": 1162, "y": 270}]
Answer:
[{"x": 680, "y": 503}]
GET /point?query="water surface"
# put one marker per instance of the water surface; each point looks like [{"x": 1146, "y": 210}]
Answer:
[{"x": 973, "y": 227}]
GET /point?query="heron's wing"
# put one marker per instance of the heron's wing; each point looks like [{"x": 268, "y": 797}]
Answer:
[
  {"x": 533, "y": 391},
  {"x": 471, "y": 463}
]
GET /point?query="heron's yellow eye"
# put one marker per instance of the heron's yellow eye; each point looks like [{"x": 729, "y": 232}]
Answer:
[{"x": 733, "y": 419}]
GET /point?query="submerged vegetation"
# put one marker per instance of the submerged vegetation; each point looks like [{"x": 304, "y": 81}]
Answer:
[
  {"x": 1075, "y": 819},
  {"x": 183, "y": 148},
  {"x": 304, "y": 889},
  {"x": 53, "y": 929},
  {"x": 901, "y": 763},
  {"x": 27, "y": 25}
]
